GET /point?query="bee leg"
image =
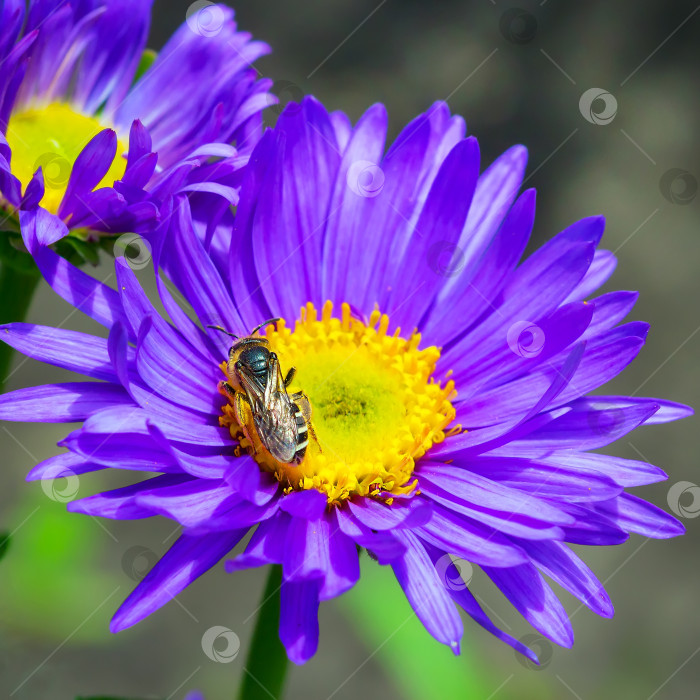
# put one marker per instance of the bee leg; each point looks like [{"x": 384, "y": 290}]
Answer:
[
  {"x": 230, "y": 391},
  {"x": 312, "y": 432},
  {"x": 238, "y": 411},
  {"x": 290, "y": 376}
]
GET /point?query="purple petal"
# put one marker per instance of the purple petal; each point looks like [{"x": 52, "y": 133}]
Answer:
[
  {"x": 461, "y": 594},
  {"x": 78, "y": 352},
  {"x": 299, "y": 619},
  {"x": 383, "y": 545},
  {"x": 488, "y": 493},
  {"x": 122, "y": 504},
  {"x": 377, "y": 516},
  {"x": 89, "y": 168},
  {"x": 309, "y": 504},
  {"x": 189, "y": 502},
  {"x": 266, "y": 546},
  {"x": 189, "y": 558},
  {"x": 39, "y": 228},
  {"x": 535, "y": 601},
  {"x": 417, "y": 576},
  {"x": 633, "y": 514},
  {"x": 624, "y": 472},
  {"x": 60, "y": 403},
  {"x": 418, "y": 274},
  {"x": 80, "y": 290},
  {"x": 470, "y": 539},
  {"x": 62, "y": 465},
  {"x": 319, "y": 550},
  {"x": 558, "y": 562}
]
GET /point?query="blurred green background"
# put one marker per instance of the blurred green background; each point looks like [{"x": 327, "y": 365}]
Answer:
[{"x": 516, "y": 75}]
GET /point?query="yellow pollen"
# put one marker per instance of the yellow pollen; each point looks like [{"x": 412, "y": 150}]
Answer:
[
  {"x": 52, "y": 137},
  {"x": 375, "y": 406}
]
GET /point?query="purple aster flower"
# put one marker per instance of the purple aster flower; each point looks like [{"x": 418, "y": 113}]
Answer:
[
  {"x": 448, "y": 381},
  {"x": 88, "y": 145}
]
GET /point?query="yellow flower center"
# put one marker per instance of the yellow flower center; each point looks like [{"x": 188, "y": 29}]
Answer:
[
  {"x": 375, "y": 406},
  {"x": 52, "y": 138}
]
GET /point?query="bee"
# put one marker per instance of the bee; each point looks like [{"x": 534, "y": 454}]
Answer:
[{"x": 282, "y": 421}]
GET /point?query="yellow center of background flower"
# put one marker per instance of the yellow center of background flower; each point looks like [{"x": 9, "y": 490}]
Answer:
[
  {"x": 52, "y": 137},
  {"x": 375, "y": 407}
]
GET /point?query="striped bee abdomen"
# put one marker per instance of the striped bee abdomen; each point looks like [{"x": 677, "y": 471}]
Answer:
[{"x": 302, "y": 434}]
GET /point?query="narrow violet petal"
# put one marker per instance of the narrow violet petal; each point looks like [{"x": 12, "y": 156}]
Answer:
[
  {"x": 421, "y": 583},
  {"x": 413, "y": 513},
  {"x": 633, "y": 514},
  {"x": 60, "y": 403},
  {"x": 122, "y": 504},
  {"x": 382, "y": 544},
  {"x": 78, "y": 352},
  {"x": 558, "y": 562},
  {"x": 535, "y": 601},
  {"x": 266, "y": 546},
  {"x": 299, "y": 619},
  {"x": 40, "y": 228},
  {"x": 461, "y": 595},
  {"x": 319, "y": 550},
  {"x": 66, "y": 464},
  {"x": 189, "y": 558},
  {"x": 310, "y": 504}
]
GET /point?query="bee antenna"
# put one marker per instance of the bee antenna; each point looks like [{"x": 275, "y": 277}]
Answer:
[
  {"x": 262, "y": 325},
  {"x": 223, "y": 330}
]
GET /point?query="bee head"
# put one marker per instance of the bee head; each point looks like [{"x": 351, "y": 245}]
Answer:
[{"x": 252, "y": 356}]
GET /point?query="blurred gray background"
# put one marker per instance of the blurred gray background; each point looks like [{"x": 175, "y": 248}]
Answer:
[{"x": 517, "y": 75}]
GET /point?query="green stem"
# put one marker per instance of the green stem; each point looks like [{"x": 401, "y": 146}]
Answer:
[
  {"x": 16, "y": 292},
  {"x": 267, "y": 661}
]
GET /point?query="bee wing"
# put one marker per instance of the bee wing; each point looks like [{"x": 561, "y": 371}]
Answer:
[
  {"x": 277, "y": 427},
  {"x": 275, "y": 383},
  {"x": 256, "y": 396},
  {"x": 273, "y": 412}
]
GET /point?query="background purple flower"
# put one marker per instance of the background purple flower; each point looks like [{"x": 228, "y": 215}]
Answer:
[{"x": 100, "y": 147}]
